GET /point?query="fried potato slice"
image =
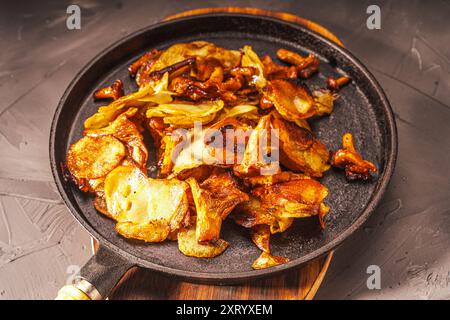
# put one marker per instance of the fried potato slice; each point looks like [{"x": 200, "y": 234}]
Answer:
[
  {"x": 94, "y": 157},
  {"x": 227, "y": 140},
  {"x": 268, "y": 180},
  {"x": 189, "y": 246},
  {"x": 152, "y": 231},
  {"x": 300, "y": 150},
  {"x": 291, "y": 101},
  {"x": 194, "y": 153},
  {"x": 324, "y": 102},
  {"x": 293, "y": 199},
  {"x": 121, "y": 183},
  {"x": 100, "y": 206},
  {"x": 214, "y": 199},
  {"x": 251, "y": 213},
  {"x": 200, "y": 173},
  {"x": 261, "y": 237},
  {"x": 266, "y": 260},
  {"x": 141, "y": 205},
  {"x": 169, "y": 145},
  {"x": 260, "y": 156},
  {"x": 127, "y": 131},
  {"x": 251, "y": 59}
]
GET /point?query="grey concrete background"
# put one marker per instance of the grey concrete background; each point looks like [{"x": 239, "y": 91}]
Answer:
[{"x": 408, "y": 236}]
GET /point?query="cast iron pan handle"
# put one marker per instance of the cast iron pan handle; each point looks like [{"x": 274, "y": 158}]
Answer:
[{"x": 97, "y": 277}]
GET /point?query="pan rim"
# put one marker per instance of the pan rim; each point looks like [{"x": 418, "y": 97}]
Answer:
[{"x": 235, "y": 277}]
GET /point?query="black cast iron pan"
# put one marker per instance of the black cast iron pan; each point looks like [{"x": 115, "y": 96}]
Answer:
[{"x": 362, "y": 110}]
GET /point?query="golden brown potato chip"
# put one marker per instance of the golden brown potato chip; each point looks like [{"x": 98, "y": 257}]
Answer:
[
  {"x": 120, "y": 184},
  {"x": 261, "y": 237},
  {"x": 214, "y": 199},
  {"x": 269, "y": 180},
  {"x": 171, "y": 144},
  {"x": 266, "y": 260},
  {"x": 141, "y": 204},
  {"x": 94, "y": 157},
  {"x": 152, "y": 231},
  {"x": 258, "y": 153},
  {"x": 127, "y": 131},
  {"x": 200, "y": 174},
  {"x": 193, "y": 153},
  {"x": 291, "y": 101},
  {"x": 100, "y": 206},
  {"x": 188, "y": 245},
  {"x": 251, "y": 59},
  {"x": 299, "y": 149},
  {"x": 293, "y": 199},
  {"x": 251, "y": 213},
  {"x": 324, "y": 101}
]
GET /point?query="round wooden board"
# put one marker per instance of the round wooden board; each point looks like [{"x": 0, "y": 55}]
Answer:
[{"x": 299, "y": 284}]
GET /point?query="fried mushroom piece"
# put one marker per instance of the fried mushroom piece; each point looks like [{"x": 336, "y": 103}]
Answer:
[
  {"x": 356, "y": 168},
  {"x": 109, "y": 113},
  {"x": 214, "y": 199},
  {"x": 94, "y": 157},
  {"x": 114, "y": 91},
  {"x": 337, "y": 84},
  {"x": 176, "y": 67},
  {"x": 276, "y": 71},
  {"x": 305, "y": 66},
  {"x": 219, "y": 85},
  {"x": 143, "y": 60},
  {"x": 251, "y": 214},
  {"x": 299, "y": 149}
]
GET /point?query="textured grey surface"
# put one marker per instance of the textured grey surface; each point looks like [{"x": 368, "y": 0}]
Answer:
[{"x": 408, "y": 236}]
